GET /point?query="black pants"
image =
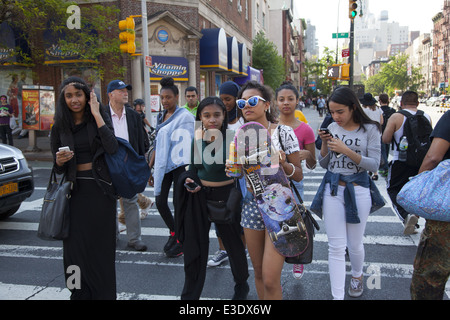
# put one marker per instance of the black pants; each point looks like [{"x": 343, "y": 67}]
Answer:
[
  {"x": 399, "y": 174},
  {"x": 161, "y": 200},
  {"x": 6, "y": 134},
  {"x": 232, "y": 241}
]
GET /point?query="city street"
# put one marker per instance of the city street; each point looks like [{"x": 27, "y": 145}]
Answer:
[{"x": 32, "y": 269}]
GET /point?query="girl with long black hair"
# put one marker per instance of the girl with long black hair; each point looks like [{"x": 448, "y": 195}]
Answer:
[
  {"x": 208, "y": 157},
  {"x": 347, "y": 195},
  {"x": 81, "y": 125}
]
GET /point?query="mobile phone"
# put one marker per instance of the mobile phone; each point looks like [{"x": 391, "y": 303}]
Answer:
[
  {"x": 64, "y": 149},
  {"x": 325, "y": 130},
  {"x": 191, "y": 186}
]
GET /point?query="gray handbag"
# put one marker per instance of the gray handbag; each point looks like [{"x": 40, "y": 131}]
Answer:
[{"x": 54, "y": 220}]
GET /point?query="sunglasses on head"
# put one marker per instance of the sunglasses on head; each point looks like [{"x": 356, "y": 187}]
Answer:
[{"x": 252, "y": 102}]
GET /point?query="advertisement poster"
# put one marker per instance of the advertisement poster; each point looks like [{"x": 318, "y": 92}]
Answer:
[
  {"x": 30, "y": 108},
  {"x": 47, "y": 109}
]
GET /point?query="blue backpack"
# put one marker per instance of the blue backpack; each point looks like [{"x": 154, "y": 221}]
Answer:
[{"x": 128, "y": 170}]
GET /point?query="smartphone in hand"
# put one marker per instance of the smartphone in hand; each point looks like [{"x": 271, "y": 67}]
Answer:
[{"x": 191, "y": 186}]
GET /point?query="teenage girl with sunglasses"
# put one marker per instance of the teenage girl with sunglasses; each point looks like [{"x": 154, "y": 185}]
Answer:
[{"x": 255, "y": 103}]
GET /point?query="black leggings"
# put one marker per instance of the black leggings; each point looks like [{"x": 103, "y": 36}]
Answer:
[{"x": 162, "y": 200}]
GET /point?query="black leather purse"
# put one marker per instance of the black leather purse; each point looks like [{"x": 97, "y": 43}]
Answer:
[
  {"x": 54, "y": 220},
  {"x": 311, "y": 223},
  {"x": 224, "y": 212}
]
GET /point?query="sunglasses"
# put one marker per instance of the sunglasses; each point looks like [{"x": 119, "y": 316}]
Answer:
[{"x": 252, "y": 102}]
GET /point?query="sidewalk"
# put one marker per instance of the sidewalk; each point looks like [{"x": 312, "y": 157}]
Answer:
[{"x": 41, "y": 153}]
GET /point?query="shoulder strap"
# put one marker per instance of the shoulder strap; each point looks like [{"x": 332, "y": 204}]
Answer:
[
  {"x": 405, "y": 113},
  {"x": 279, "y": 137}
]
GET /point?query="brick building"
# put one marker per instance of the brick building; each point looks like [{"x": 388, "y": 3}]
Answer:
[{"x": 441, "y": 49}]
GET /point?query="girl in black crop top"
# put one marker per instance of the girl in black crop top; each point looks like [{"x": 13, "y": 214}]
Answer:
[
  {"x": 81, "y": 126},
  {"x": 208, "y": 162}
]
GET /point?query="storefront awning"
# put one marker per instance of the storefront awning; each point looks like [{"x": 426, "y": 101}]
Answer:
[
  {"x": 233, "y": 55},
  {"x": 253, "y": 74},
  {"x": 54, "y": 53},
  {"x": 243, "y": 59},
  {"x": 214, "y": 50},
  {"x": 7, "y": 44}
]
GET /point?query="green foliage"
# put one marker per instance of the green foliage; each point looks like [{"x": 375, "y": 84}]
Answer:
[
  {"x": 394, "y": 76},
  {"x": 316, "y": 70},
  {"x": 265, "y": 56},
  {"x": 34, "y": 17}
]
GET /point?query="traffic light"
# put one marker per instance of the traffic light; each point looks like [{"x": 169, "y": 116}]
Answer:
[
  {"x": 345, "y": 71},
  {"x": 352, "y": 6},
  {"x": 128, "y": 35}
]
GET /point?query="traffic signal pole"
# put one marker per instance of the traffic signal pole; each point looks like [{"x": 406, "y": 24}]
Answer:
[
  {"x": 148, "y": 107},
  {"x": 351, "y": 58}
]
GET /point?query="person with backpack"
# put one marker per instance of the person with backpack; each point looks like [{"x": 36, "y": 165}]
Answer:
[
  {"x": 127, "y": 125},
  {"x": 387, "y": 113},
  {"x": 409, "y": 131}
]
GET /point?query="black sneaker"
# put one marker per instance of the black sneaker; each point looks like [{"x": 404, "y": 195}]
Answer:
[
  {"x": 175, "y": 251},
  {"x": 241, "y": 291},
  {"x": 170, "y": 243}
]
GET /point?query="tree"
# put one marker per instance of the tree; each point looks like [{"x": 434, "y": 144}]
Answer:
[
  {"x": 96, "y": 38},
  {"x": 394, "y": 76},
  {"x": 316, "y": 70},
  {"x": 265, "y": 56}
]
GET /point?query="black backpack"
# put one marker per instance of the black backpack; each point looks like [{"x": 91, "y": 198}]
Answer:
[
  {"x": 387, "y": 113},
  {"x": 417, "y": 130}
]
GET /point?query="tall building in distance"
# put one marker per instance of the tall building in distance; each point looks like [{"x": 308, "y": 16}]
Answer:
[{"x": 311, "y": 42}]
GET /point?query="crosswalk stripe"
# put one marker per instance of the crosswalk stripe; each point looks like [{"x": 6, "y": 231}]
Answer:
[{"x": 163, "y": 232}]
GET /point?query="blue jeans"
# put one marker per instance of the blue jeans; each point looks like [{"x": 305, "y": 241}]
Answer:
[{"x": 384, "y": 156}]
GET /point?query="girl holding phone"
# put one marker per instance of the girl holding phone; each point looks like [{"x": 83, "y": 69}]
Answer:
[
  {"x": 215, "y": 185},
  {"x": 347, "y": 195}
]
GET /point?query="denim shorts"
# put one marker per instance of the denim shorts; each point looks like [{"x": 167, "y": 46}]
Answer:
[{"x": 251, "y": 217}]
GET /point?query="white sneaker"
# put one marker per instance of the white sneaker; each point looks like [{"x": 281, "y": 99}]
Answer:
[
  {"x": 122, "y": 227},
  {"x": 297, "y": 271},
  {"x": 410, "y": 224},
  {"x": 144, "y": 213},
  {"x": 356, "y": 287},
  {"x": 219, "y": 257}
]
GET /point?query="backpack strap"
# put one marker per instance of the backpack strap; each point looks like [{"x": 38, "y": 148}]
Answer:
[{"x": 407, "y": 115}]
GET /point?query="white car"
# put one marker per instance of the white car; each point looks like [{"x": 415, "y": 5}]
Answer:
[{"x": 16, "y": 180}]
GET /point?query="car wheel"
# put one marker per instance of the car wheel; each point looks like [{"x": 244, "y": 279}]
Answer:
[{"x": 8, "y": 213}]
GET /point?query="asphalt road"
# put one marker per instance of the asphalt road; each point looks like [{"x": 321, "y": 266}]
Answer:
[{"x": 32, "y": 269}]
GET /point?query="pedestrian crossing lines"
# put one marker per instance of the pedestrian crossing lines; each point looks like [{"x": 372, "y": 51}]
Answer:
[{"x": 386, "y": 249}]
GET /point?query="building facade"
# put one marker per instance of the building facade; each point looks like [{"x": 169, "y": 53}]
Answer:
[{"x": 441, "y": 50}]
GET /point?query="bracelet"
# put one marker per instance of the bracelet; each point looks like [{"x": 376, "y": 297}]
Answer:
[{"x": 293, "y": 171}]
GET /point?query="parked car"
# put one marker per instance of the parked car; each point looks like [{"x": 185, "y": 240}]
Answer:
[
  {"x": 442, "y": 99},
  {"x": 431, "y": 101},
  {"x": 16, "y": 180}
]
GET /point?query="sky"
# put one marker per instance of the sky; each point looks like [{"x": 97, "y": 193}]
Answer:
[{"x": 416, "y": 14}]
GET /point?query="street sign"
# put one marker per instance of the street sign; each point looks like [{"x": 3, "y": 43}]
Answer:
[
  {"x": 148, "y": 61},
  {"x": 341, "y": 35},
  {"x": 345, "y": 53}
]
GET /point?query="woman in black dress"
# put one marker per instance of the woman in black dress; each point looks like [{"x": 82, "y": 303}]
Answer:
[{"x": 81, "y": 125}]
